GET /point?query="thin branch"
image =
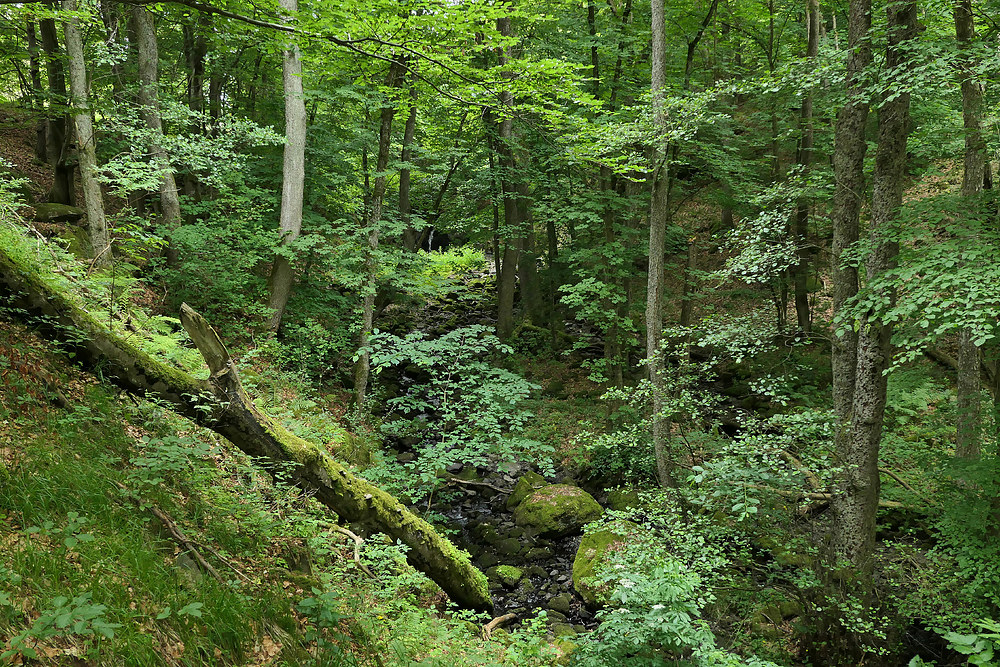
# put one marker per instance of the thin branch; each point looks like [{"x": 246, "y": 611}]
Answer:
[
  {"x": 456, "y": 480},
  {"x": 175, "y": 532},
  {"x": 358, "y": 541},
  {"x": 814, "y": 481},
  {"x": 498, "y": 621}
]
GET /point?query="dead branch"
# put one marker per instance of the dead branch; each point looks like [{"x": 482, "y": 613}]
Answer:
[
  {"x": 814, "y": 482},
  {"x": 358, "y": 541},
  {"x": 495, "y": 623},
  {"x": 456, "y": 480},
  {"x": 175, "y": 532}
]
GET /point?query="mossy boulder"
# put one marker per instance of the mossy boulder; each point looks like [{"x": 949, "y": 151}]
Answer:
[
  {"x": 557, "y": 510},
  {"x": 57, "y": 213},
  {"x": 529, "y": 483},
  {"x": 508, "y": 575},
  {"x": 623, "y": 499},
  {"x": 592, "y": 554}
]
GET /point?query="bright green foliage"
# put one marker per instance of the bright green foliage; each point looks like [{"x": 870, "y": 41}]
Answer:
[
  {"x": 468, "y": 411},
  {"x": 981, "y": 647},
  {"x": 66, "y": 617}
]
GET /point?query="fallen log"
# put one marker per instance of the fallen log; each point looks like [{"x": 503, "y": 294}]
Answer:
[{"x": 221, "y": 405}]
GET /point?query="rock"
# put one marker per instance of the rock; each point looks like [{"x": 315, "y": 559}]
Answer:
[
  {"x": 536, "y": 571},
  {"x": 57, "y": 213},
  {"x": 590, "y": 556},
  {"x": 488, "y": 560},
  {"x": 562, "y": 630},
  {"x": 555, "y": 616},
  {"x": 406, "y": 457},
  {"x": 623, "y": 499},
  {"x": 528, "y": 483},
  {"x": 538, "y": 553},
  {"x": 509, "y": 575},
  {"x": 561, "y": 603},
  {"x": 188, "y": 570},
  {"x": 486, "y": 534},
  {"x": 509, "y": 547},
  {"x": 455, "y": 468},
  {"x": 557, "y": 510}
]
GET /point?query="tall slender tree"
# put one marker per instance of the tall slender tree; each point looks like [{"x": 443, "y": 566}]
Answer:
[
  {"x": 293, "y": 176},
  {"x": 373, "y": 219},
  {"x": 969, "y": 366},
  {"x": 97, "y": 227},
  {"x": 857, "y": 499},
  {"x": 149, "y": 107}
]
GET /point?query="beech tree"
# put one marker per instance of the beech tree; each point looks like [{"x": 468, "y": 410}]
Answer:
[{"x": 293, "y": 175}]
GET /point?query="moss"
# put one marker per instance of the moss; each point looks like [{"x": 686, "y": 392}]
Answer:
[
  {"x": 49, "y": 212},
  {"x": 591, "y": 554},
  {"x": 529, "y": 482},
  {"x": 509, "y": 575},
  {"x": 557, "y": 510},
  {"x": 340, "y": 490},
  {"x": 623, "y": 499}
]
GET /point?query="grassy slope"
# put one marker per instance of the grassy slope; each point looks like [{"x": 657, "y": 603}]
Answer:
[{"x": 62, "y": 467}]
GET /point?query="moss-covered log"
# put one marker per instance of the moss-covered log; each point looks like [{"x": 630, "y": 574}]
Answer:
[{"x": 221, "y": 405}]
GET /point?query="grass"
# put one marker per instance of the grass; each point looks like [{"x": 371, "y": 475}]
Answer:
[{"x": 80, "y": 542}]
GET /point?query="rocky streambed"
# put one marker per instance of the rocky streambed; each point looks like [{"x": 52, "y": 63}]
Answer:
[{"x": 526, "y": 542}]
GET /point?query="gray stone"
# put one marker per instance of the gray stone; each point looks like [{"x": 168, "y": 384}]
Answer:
[
  {"x": 561, "y": 603},
  {"x": 57, "y": 213}
]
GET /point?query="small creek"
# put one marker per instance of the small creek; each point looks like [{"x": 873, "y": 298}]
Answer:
[{"x": 481, "y": 524}]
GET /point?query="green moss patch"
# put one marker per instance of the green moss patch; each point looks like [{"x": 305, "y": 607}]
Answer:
[
  {"x": 590, "y": 557},
  {"x": 557, "y": 510}
]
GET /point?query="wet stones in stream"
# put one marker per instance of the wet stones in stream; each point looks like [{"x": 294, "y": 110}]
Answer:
[{"x": 529, "y": 563}]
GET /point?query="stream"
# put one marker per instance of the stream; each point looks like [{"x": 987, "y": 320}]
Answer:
[{"x": 480, "y": 523}]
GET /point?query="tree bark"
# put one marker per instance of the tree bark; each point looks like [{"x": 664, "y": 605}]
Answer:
[
  {"x": 362, "y": 369},
  {"x": 38, "y": 95},
  {"x": 97, "y": 227},
  {"x": 856, "y": 503},
  {"x": 149, "y": 106},
  {"x": 293, "y": 176},
  {"x": 848, "y": 198},
  {"x": 659, "y": 215},
  {"x": 410, "y": 235},
  {"x": 969, "y": 365},
  {"x": 57, "y": 129},
  {"x": 801, "y": 230},
  {"x": 507, "y": 279},
  {"x": 222, "y": 406}
]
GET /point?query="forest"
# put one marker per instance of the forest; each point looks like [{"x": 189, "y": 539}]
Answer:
[{"x": 439, "y": 333}]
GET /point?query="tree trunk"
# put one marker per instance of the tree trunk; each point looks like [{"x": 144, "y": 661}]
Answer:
[
  {"x": 801, "y": 229},
  {"x": 659, "y": 215},
  {"x": 848, "y": 197},
  {"x": 410, "y": 234},
  {"x": 507, "y": 280},
  {"x": 293, "y": 176},
  {"x": 149, "y": 106},
  {"x": 362, "y": 369},
  {"x": 222, "y": 406},
  {"x": 57, "y": 130},
  {"x": 97, "y": 227},
  {"x": 109, "y": 17},
  {"x": 969, "y": 366},
  {"x": 856, "y": 503},
  {"x": 38, "y": 95}
]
